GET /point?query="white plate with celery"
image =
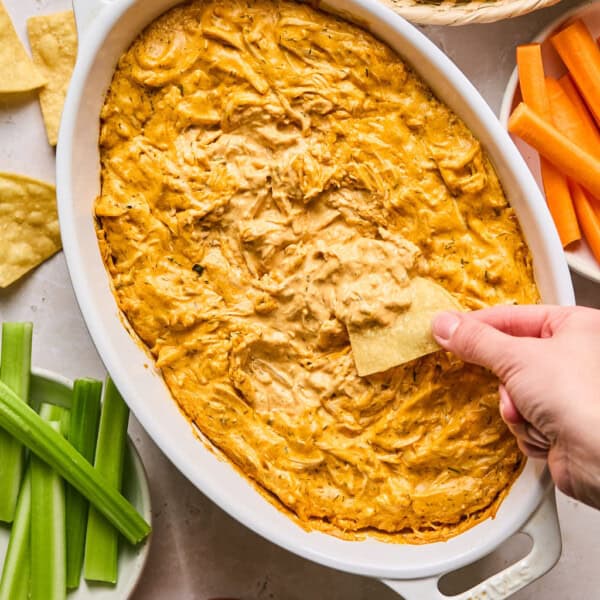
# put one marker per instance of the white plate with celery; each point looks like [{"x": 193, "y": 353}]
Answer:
[{"x": 55, "y": 547}]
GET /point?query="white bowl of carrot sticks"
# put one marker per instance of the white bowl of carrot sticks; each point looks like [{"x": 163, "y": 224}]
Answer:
[{"x": 551, "y": 107}]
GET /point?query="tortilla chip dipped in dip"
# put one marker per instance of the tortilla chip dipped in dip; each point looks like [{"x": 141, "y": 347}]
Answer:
[
  {"x": 17, "y": 71},
  {"x": 53, "y": 40},
  {"x": 29, "y": 232},
  {"x": 274, "y": 178},
  {"x": 408, "y": 337}
]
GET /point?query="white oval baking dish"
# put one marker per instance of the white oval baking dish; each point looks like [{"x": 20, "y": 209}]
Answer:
[{"x": 106, "y": 29}]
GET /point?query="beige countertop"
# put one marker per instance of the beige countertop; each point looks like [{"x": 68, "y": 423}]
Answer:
[{"x": 199, "y": 552}]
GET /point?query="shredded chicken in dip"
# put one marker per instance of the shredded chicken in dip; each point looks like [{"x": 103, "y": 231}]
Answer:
[{"x": 271, "y": 176}]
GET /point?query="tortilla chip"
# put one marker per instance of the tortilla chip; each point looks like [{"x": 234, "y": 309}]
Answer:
[
  {"x": 53, "y": 41},
  {"x": 29, "y": 232},
  {"x": 17, "y": 71},
  {"x": 381, "y": 348}
]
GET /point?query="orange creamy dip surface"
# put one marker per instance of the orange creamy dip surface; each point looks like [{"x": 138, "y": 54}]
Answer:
[{"x": 272, "y": 175}]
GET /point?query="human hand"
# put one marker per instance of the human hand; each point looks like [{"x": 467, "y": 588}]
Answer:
[{"x": 548, "y": 361}]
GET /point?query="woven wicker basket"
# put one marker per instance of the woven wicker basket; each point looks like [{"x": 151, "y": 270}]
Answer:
[{"x": 461, "y": 12}]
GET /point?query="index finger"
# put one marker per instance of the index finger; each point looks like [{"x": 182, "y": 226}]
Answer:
[{"x": 524, "y": 320}]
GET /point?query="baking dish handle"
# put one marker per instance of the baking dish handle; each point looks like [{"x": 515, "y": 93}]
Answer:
[
  {"x": 85, "y": 12},
  {"x": 544, "y": 531}
]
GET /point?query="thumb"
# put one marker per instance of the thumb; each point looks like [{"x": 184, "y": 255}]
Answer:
[{"x": 475, "y": 342}]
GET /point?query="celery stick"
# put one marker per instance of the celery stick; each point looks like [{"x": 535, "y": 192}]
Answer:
[
  {"x": 25, "y": 424},
  {"x": 85, "y": 417},
  {"x": 53, "y": 412},
  {"x": 102, "y": 541},
  {"x": 48, "y": 543},
  {"x": 15, "y": 365},
  {"x": 14, "y": 584}
]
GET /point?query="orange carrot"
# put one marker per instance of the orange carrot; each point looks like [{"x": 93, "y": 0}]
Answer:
[
  {"x": 594, "y": 202},
  {"x": 560, "y": 203},
  {"x": 566, "y": 118},
  {"x": 596, "y": 208},
  {"x": 566, "y": 83},
  {"x": 556, "y": 188},
  {"x": 589, "y": 219},
  {"x": 565, "y": 155},
  {"x": 581, "y": 55},
  {"x": 531, "y": 79}
]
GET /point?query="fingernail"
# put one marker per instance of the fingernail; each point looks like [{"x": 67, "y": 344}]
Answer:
[{"x": 444, "y": 325}]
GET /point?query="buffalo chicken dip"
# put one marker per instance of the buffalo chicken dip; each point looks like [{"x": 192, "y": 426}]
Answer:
[{"x": 274, "y": 177}]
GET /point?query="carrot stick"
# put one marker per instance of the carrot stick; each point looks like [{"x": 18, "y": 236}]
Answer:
[
  {"x": 569, "y": 158},
  {"x": 589, "y": 219},
  {"x": 566, "y": 118},
  {"x": 566, "y": 83},
  {"x": 596, "y": 208},
  {"x": 556, "y": 188},
  {"x": 581, "y": 55},
  {"x": 531, "y": 79},
  {"x": 560, "y": 203}
]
